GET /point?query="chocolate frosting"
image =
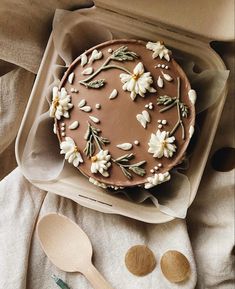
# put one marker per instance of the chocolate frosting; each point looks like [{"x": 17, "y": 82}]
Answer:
[{"x": 117, "y": 117}]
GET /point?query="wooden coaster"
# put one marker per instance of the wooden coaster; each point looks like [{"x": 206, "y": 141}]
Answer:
[
  {"x": 140, "y": 260},
  {"x": 175, "y": 266}
]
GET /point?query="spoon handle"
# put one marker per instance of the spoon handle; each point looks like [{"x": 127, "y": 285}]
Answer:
[{"x": 96, "y": 279}]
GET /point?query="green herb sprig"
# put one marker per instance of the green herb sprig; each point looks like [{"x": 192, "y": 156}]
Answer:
[
  {"x": 94, "y": 140},
  {"x": 182, "y": 108},
  {"x": 124, "y": 163}
]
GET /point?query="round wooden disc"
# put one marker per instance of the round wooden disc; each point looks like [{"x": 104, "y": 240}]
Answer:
[
  {"x": 175, "y": 266},
  {"x": 140, "y": 260}
]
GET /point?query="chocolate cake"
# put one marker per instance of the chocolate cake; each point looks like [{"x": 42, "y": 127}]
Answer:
[{"x": 124, "y": 113}]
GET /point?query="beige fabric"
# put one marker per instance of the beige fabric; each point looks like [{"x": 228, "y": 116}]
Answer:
[{"x": 24, "y": 29}]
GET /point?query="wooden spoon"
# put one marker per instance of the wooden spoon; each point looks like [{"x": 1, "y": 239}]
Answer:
[{"x": 68, "y": 247}]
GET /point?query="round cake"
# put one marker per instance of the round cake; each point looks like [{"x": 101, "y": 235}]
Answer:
[{"x": 124, "y": 113}]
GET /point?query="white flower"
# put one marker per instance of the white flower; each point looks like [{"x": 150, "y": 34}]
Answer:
[
  {"x": 159, "y": 50},
  {"x": 97, "y": 183},
  {"x": 100, "y": 163},
  {"x": 60, "y": 103},
  {"x": 137, "y": 83},
  {"x": 69, "y": 148},
  {"x": 161, "y": 144},
  {"x": 157, "y": 179}
]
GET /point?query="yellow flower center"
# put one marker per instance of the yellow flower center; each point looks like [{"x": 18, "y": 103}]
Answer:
[
  {"x": 164, "y": 144},
  {"x": 135, "y": 76},
  {"x": 161, "y": 42},
  {"x": 75, "y": 149},
  {"x": 56, "y": 101},
  {"x": 94, "y": 159}
]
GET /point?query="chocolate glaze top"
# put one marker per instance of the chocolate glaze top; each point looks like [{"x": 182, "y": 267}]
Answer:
[{"x": 118, "y": 116}]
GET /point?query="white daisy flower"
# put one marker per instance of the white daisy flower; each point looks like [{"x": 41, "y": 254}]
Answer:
[
  {"x": 157, "y": 179},
  {"x": 137, "y": 83},
  {"x": 161, "y": 144},
  {"x": 100, "y": 163},
  {"x": 97, "y": 183},
  {"x": 61, "y": 103},
  {"x": 159, "y": 49},
  {"x": 69, "y": 148}
]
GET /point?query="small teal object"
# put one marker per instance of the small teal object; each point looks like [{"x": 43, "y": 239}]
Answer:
[{"x": 60, "y": 282}]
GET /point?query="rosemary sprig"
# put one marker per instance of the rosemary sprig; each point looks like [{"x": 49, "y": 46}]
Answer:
[
  {"x": 126, "y": 167},
  {"x": 123, "y": 54},
  {"x": 94, "y": 83},
  {"x": 120, "y": 54},
  {"x": 165, "y": 100},
  {"x": 182, "y": 109},
  {"x": 94, "y": 140}
]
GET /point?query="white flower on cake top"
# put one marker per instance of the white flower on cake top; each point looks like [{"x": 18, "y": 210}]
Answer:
[
  {"x": 161, "y": 144},
  {"x": 137, "y": 83},
  {"x": 69, "y": 148},
  {"x": 100, "y": 163},
  {"x": 159, "y": 49},
  {"x": 61, "y": 103},
  {"x": 157, "y": 179}
]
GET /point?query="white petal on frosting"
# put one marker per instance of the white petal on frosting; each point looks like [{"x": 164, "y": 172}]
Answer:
[
  {"x": 160, "y": 82},
  {"x": 95, "y": 55},
  {"x": 87, "y": 71},
  {"x": 125, "y": 146},
  {"x": 113, "y": 94},
  {"x": 192, "y": 96},
  {"x": 74, "y": 125},
  {"x": 94, "y": 119},
  {"x": 71, "y": 77},
  {"x": 191, "y": 131},
  {"x": 83, "y": 59}
]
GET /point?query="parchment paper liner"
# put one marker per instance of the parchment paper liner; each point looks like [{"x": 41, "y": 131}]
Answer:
[{"x": 41, "y": 162}]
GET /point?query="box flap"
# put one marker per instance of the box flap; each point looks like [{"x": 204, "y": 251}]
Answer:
[{"x": 213, "y": 20}]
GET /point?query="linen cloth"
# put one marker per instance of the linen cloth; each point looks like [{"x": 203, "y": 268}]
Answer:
[{"x": 207, "y": 239}]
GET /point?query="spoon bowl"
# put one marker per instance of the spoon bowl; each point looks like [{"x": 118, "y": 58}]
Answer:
[{"x": 68, "y": 247}]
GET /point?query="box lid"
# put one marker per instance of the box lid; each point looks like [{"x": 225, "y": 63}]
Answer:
[{"x": 213, "y": 20}]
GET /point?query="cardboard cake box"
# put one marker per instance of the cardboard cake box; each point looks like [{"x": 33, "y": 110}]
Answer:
[{"x": 136, "y": 22}]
